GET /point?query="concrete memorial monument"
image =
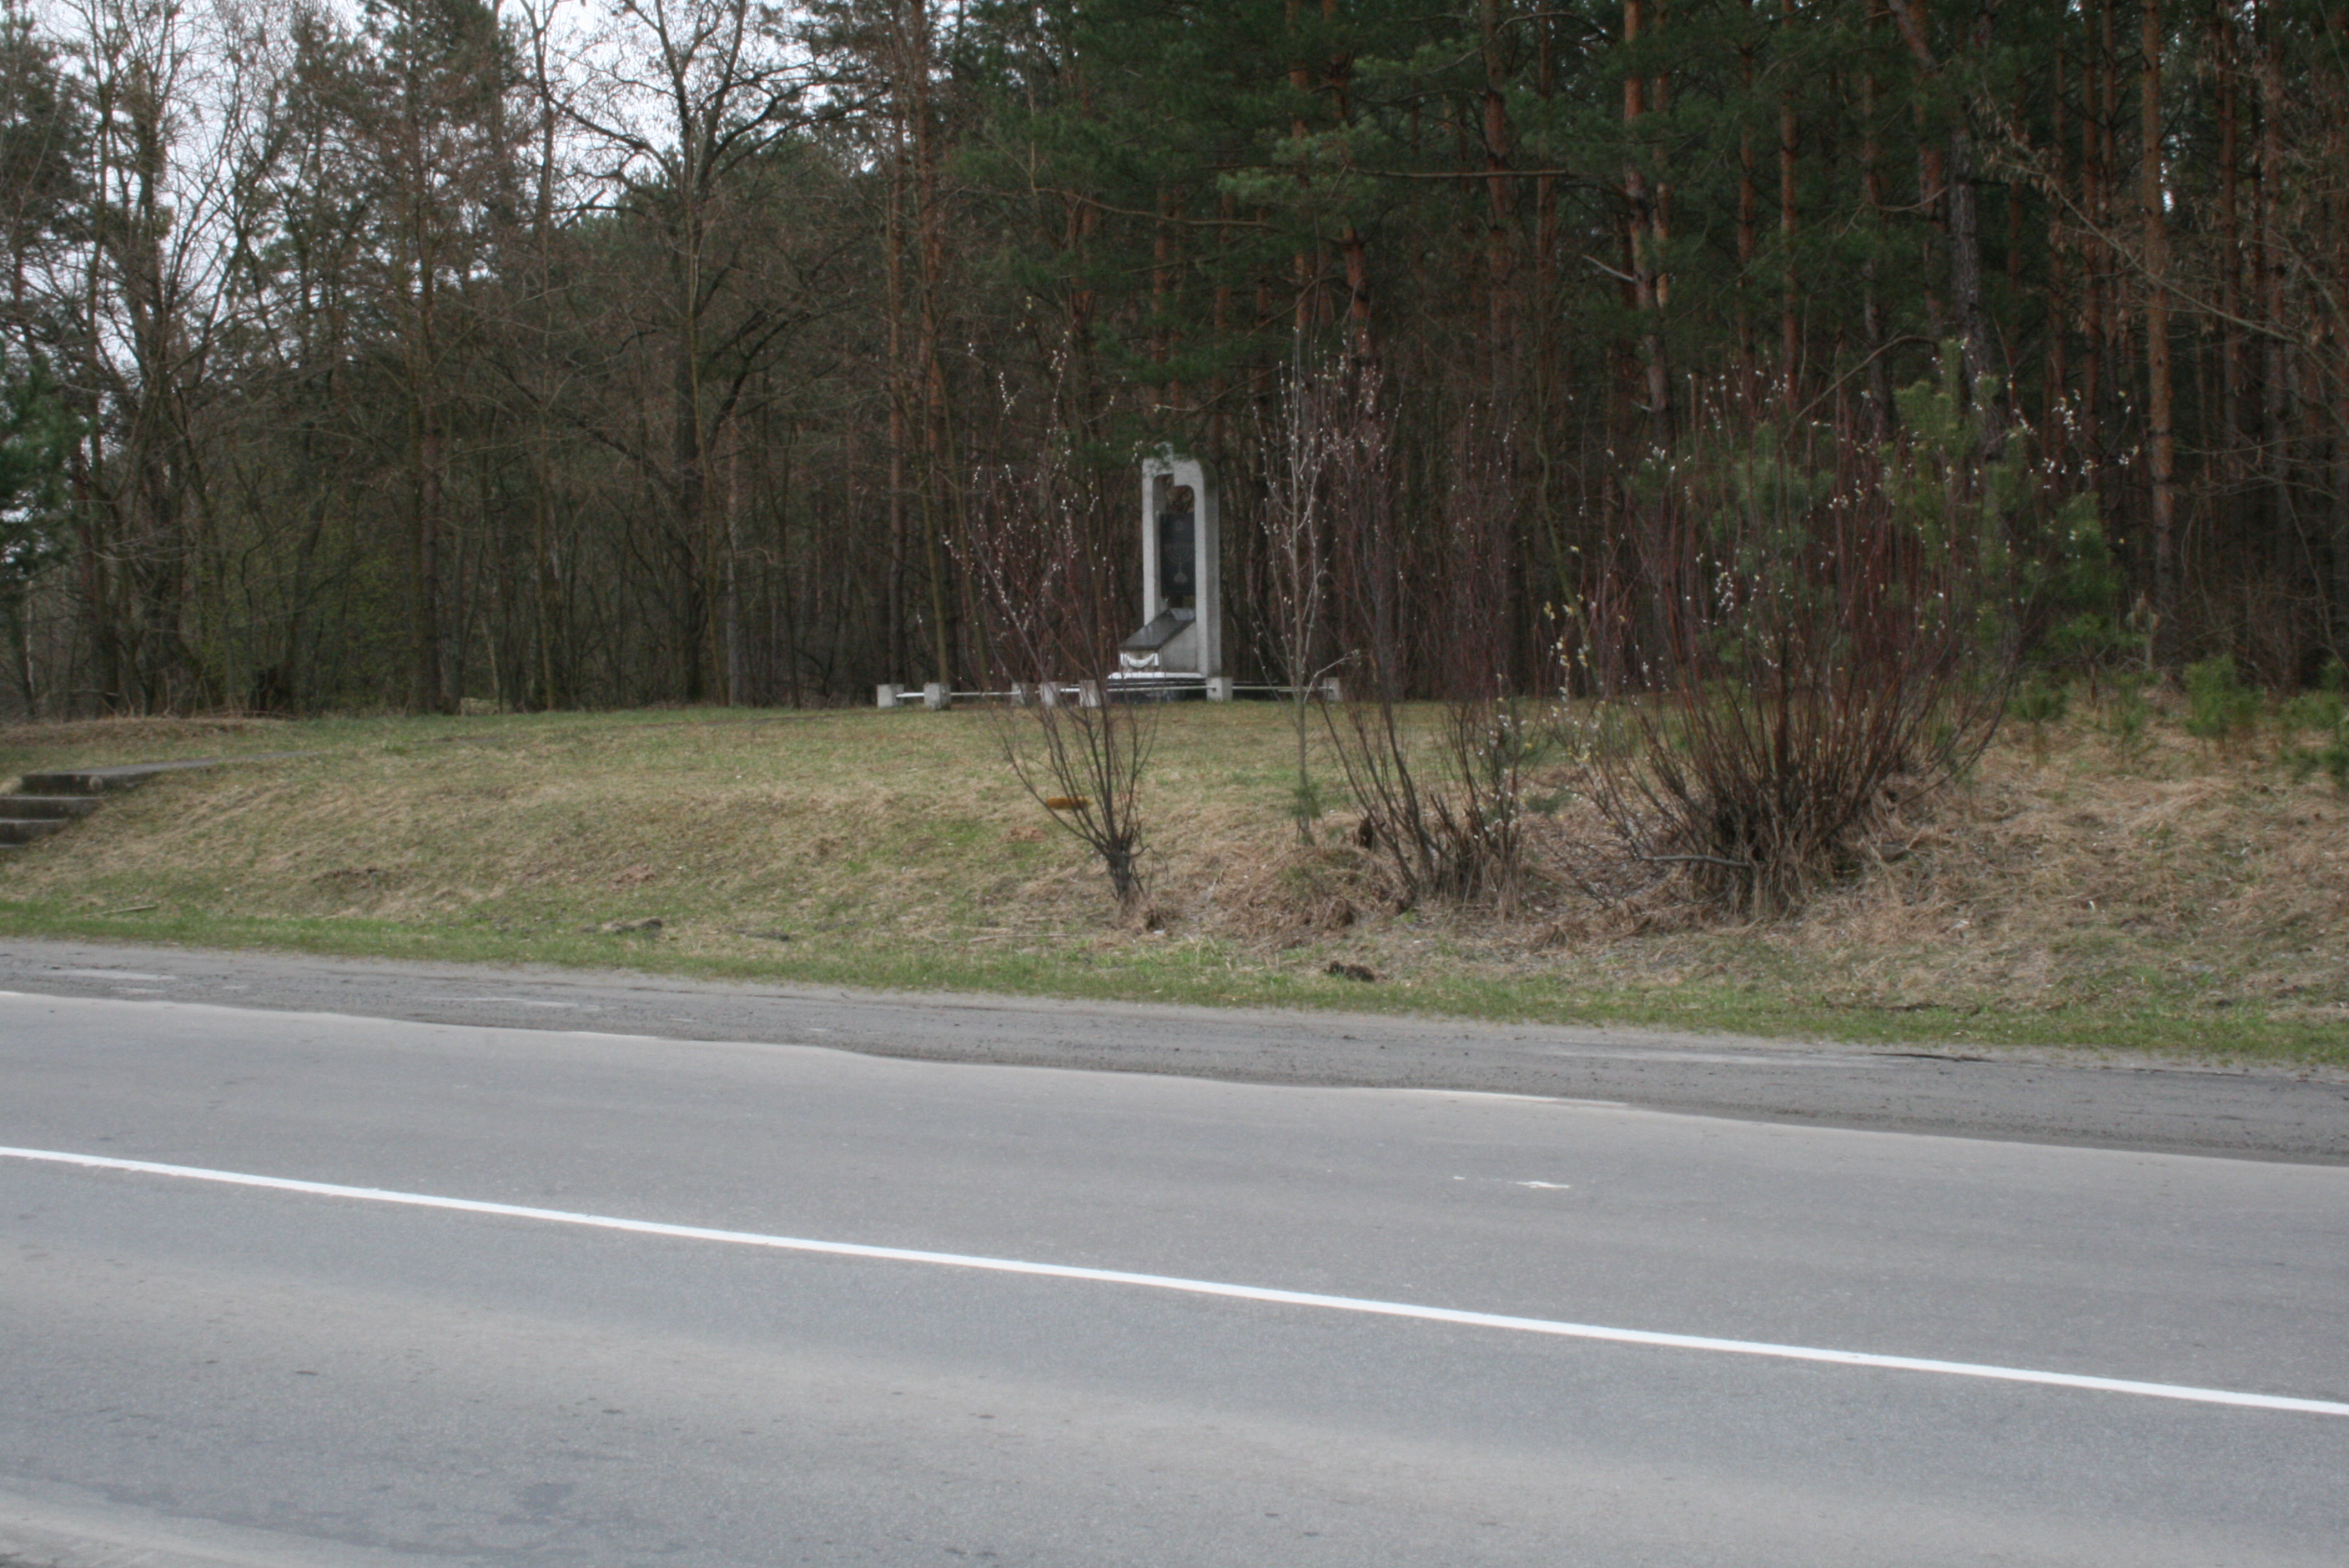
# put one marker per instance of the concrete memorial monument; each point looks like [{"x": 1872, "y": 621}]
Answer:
[{"x": 1179, "y": 651}]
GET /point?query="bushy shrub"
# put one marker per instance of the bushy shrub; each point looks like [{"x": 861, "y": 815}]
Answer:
[
  {"x": 2038, "y": 702},
  {"x": 2332, "y": 757},
  {"x": 2311, "y": 710},
  {"x": 2220, "y": 708},
  {"x": 2324, "y": 713},
  {"x": 2128, "y": 722},
  {"x": 1810, "y": 629}
]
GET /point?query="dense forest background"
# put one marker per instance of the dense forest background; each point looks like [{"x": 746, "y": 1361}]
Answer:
[{"x": 555, "y": 353}]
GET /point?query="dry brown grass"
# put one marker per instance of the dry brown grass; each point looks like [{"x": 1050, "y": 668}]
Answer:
[
  {"x": 2056, "y": 877},
  {"x": 2061, "y": 882},
  {"x": 2049, "y": 876},
  {"x": 111, "y": 735}
]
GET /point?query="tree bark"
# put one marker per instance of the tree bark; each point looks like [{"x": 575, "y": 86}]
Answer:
[
  {"x": 1749, "y": 211},
  {"x": 1790, "y": 328},
  {"x": 1881, "y": 407},
  {"x": 2160, "y": 438},
  {"x": 930, "y": 260},
  {"x": 1500, "y": 199},
  {"x": 1644, "y": 199},
  {"x": 2224, "y": 46},
  {"x": 1960, "y": 209}
]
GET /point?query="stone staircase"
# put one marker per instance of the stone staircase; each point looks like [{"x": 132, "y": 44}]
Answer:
[{"x": 44, "y": 804}]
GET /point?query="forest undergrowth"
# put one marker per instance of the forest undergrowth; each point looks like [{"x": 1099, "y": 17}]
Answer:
[{"x": 2103, "y": 877}]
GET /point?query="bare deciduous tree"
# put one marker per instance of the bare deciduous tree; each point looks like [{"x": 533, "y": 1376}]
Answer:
[
  {"x": 1055, "y": 620},
  {"x": 1303, "y": 452}
]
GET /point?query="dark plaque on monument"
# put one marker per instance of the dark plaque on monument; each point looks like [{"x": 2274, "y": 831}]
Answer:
[{"x": 1178, "y": 532}]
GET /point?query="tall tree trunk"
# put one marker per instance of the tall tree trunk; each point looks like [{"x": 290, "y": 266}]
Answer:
[
  {"x": 1960, "y": 209},
  {"x": 425, "y": 692},
  {"x": 85, "y": 465},
  {"x": 2225, "y": 47},
  {"x": 2064, "y": 303},
  {"x": 2161, "y": 439},
  {"x": 547, "y": 618},
  {"x": 731, "y": 588},
  {"x": 1500, "y": 200},
  {"x": 1790, "y": 329},
  {"x": 1881, "y": 407},
  {"x": 1303, "y": 267},
  {"x": 1645, "y": 203},
  {"x": 1749, "y": 211},
  {"x": 1162, "y": 298},
  {"x": 930, "y": 253},
  {"x": 1982, "y": 360},
  {"x": 901, "y": 397},
  {"x": 2334, "y": 156},
  {"x": 547, "y": 585},
  {"x": 690, "y": 489},
  {"x": 2275, "y": 454},
  {"x": 427, "y": 454},
  {"x": 1353, "y": 251},
  {"x": 2111, "y": 346}
]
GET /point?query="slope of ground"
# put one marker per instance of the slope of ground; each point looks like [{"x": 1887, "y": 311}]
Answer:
[{"x": 2166, "y": 898}]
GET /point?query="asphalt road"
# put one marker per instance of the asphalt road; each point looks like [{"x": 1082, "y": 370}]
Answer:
[
  {"x": 199, "y": 1372},
  {"x": 2060, "y": 1098}
]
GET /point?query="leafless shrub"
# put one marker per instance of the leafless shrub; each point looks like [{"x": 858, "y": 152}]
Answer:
[
  {"x": 1492, "y": 732},
  {"x": 1798, "y": 638},
  {"x": 1053, "y": 620},
  {"x": 1303, "y": 451},
  {"x": 1444, "y": 817}
]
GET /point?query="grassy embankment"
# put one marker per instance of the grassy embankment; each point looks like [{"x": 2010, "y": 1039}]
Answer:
[{"x": 2169, "y": 899}]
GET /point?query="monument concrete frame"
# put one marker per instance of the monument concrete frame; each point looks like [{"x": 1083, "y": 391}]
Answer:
[{"x": 1178, "y": 508}]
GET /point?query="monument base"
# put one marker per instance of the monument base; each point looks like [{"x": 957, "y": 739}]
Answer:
[
  {"x": 1157, "y": 685},
  {"x": 1169, "y": 686}
]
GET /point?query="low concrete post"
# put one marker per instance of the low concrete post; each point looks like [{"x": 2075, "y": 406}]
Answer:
[
  {"x": 1022, "y": 695},
  {"x": 1332, "y": 691},
  {"x": 1050, "y": 694},
  {"x": 1088, "y": 694},
  {"x": 935, "y": 696},
  {"x": 1220, "y": 688},
  {"x": 885, "y": 696}
]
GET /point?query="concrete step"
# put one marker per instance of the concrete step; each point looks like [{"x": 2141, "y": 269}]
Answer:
[
  {"x": 100, "y": 781},
  {"x": 14, "y": 831},
  {"x": 28, "y": 807}
]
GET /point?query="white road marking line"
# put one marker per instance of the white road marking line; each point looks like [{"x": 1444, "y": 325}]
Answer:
[{"x": 1202, "y": 1287}]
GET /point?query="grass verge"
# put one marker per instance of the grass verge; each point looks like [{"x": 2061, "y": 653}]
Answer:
[{"x": 2172, "y": 901}]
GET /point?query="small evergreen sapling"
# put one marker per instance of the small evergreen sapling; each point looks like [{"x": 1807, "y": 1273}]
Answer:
[{"x": 2220, "y": 708}]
